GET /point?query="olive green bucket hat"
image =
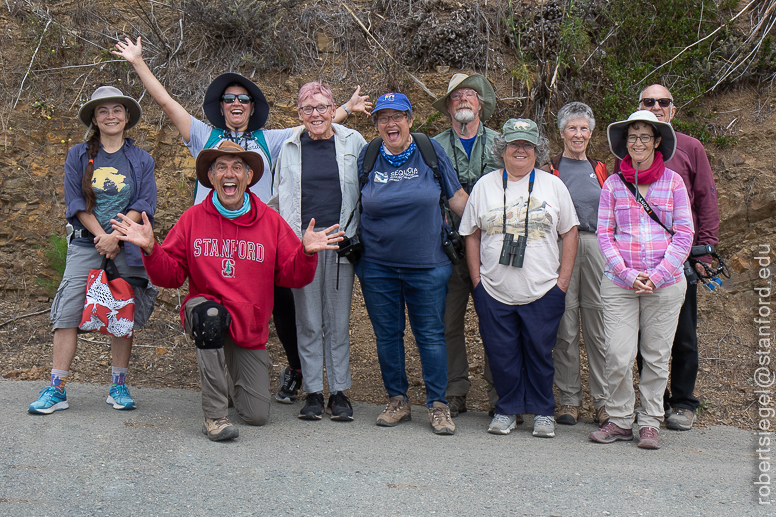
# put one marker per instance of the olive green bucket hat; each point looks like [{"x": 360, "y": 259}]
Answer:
[{"x": 476, "y": 82}]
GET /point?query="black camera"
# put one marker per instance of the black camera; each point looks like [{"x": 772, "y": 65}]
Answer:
[
  {"x": 512, "y": 251},
  {"x": 351, "y": 248},
  {"x": 453, "y": 246}
]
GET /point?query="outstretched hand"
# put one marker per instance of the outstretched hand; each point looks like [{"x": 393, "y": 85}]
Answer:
[
  {"x": 359, "y": 103},
  {"x": 314, "y": 242},
  {"x": 129, "y": 51},
  {"x": 141, "y": 235}
]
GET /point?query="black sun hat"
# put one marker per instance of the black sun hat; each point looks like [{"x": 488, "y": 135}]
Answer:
[{"x": 212, "y": 103}]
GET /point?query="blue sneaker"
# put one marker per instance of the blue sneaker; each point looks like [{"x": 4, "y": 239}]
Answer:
[
  {"x": 50, "y": 400},
  {"x": 120, "y": 398}
]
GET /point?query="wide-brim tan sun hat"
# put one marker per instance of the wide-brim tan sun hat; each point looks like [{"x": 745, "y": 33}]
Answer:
[
  {"x": 207, "y": 156},
  {"x": 105, "y": 94},
  {"x": 212, "y": 103},
  {"x": 476, "y": 82},
  {"x": 617, "y": 132}
]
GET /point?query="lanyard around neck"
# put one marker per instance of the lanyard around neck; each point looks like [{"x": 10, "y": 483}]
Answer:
[{"x": 527, "y": 205}]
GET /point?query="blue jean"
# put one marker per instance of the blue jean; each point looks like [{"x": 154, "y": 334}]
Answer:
[{"x": 386, "y": 291}]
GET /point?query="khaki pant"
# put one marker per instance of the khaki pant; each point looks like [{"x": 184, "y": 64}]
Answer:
[
  {"x": 232, "y": 370},
  {"x": 583, "y": 300},
  {"x": 625, "y": 315},
  {"x": 458, "y": 288}
]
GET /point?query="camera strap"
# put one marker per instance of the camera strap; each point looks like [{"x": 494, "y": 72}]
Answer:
[
  {"x": 643, "y": 202},
  {"x": 482, "y": 158},
  {"x": 527, "y": 205}
]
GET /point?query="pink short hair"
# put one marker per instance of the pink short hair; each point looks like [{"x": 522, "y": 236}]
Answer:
[{"x": 310, "y": 89}]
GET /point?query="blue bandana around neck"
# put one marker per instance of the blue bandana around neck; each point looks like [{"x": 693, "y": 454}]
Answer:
[
  {"x": 232, "y": 214},
  {"x": 397, "y": 159}
]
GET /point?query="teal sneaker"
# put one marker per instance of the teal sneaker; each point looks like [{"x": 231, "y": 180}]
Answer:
[
  {"x": 120, "y": 398},
  {"x": 50, "y": 400}
]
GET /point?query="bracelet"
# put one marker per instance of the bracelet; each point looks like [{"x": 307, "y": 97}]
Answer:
[{"x": 347, "y": 110}]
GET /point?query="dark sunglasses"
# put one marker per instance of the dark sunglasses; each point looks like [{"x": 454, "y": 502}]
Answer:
[
  {"x": 230, "y": 97},
  {"x": 664, "y": 103}
]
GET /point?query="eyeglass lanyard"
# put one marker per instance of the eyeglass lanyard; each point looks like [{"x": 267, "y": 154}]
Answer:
[
  {"x": 527, "y": 205},
  {"x": 455, "y": 152}
]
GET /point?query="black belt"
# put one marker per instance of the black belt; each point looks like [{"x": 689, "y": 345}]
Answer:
[{"x": 82, "y": 233}]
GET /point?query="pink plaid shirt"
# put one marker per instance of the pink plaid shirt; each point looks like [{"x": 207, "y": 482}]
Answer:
[{"x": 632, "y": 242}]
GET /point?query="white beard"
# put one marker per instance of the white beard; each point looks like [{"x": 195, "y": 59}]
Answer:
[{"x": 464, "y": 117}]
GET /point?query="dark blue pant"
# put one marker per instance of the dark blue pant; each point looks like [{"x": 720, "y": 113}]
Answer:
[
  {"x": 386, "y": 290},
  {"x": 684, "y": 354},
  {"x": 519, "y": 340}
]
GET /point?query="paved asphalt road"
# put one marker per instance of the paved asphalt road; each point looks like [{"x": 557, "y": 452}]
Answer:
[{"x": 93, "y": 460}]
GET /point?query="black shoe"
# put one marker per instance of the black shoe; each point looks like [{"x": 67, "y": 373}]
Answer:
[
  {"x": 339, "y": 407},
  {"x": 313, "y": 407},
  {"x": 291, "y": 382},
  {"x": 457, "y": 405}
]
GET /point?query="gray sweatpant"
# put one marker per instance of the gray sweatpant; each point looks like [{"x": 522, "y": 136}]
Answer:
[
  {"x": 322, "y": 324},
  {"x": 232, "y": 370}
]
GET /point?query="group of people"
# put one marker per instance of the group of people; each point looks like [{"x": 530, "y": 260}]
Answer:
[{"x": 284, "y": 220}]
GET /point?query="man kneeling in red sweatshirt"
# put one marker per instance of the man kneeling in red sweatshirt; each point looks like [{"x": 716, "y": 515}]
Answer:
[{"x": 233, "y": 249}]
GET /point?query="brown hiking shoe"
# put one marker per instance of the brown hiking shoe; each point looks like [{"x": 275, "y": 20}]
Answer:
[
  {"x": 218, "y": 429},
  {"x": 648, "y": 438},
  {"x": 601, "y": 416},
  {"x": 457, "y": 405},
  {"x": 441, "y": 421},
  {"x": 611, "y": 433},
  {"x": 568, "y": 415},
  {"x": 396, "y": 411}
]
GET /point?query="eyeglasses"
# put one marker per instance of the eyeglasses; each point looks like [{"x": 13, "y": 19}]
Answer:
[
  {"x": 230, "y": 97},
  {"x": 321, "y": 108},
  {"x": 459, "y": 94},
  {"x": 645, "y": 139},
  {"x": 649, "y": 102},
  {"x": 521, "y": 146},
  {"x": 396, "y": 117}
]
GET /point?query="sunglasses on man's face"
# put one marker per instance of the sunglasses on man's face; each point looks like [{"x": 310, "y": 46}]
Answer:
[
  {"x": 229, "y": 98},
  {"x": 663, "y": 103}
]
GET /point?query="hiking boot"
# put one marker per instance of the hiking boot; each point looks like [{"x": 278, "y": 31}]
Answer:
[
  {"x": 611, "y": 433},
  {"x": 441, "y": 421},
  {"x": 601, "y": 416},
  {"x": 51, "y": 399},
  {"x": 568, "y": 415},
  {"x": 120, "y": 398},
  {"x": 313, "y": 407},
  {"x": 457, "y": 405},
  {"x": 339, "y": 407},
  {"x": 502, "y": 424},
  {"x": 291, "y": 382},
  {"x": 681, "y": 419},
  {"x": 544, "y": 426},
  {"x": 648, "y": 438},
  {"x": 219, "y": 429},
  {"x": 396, "y": 411}
]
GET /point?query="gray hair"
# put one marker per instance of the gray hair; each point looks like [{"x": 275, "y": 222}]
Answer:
[
  {"x": 408, "y": 113},
  {"x": 542, "y": 150},
  {"x": 575, "y": 110}
]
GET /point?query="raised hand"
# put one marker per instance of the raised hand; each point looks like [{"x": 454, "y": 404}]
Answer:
[
  {"x": 314, "y": 242},
  {"x": 359, "y": 103},
  {"x": 142, "y": 235},
  {"x": 129, "y": 51}
]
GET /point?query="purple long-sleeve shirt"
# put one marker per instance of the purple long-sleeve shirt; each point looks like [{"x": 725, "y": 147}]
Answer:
[{"x": 632, "y": 242}]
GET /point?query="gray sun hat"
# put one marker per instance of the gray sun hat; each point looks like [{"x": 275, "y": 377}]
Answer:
[
  {"x": 617, "y": 133},
  {"x": 105, "y": 94},
  {"x": 476, "y": 82},
  {"x": 520, "y": 129}
]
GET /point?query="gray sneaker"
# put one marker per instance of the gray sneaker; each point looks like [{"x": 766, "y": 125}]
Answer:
[
  {"x": 544, "y": 426},
  {"x": 681, "y": 419},
  {"x": 502, "y": 424}
]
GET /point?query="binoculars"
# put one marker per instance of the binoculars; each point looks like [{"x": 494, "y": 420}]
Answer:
[
  {"x": 511, "y": 251},
  {"x": 453, "y": 246},
  {"x": 351, "y": 248}
]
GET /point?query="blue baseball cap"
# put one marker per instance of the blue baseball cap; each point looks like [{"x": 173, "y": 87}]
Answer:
[{"x": 396, "y": 101}]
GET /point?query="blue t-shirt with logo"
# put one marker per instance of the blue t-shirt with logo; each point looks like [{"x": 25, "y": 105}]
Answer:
[{"x": 401, "y": 222}]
